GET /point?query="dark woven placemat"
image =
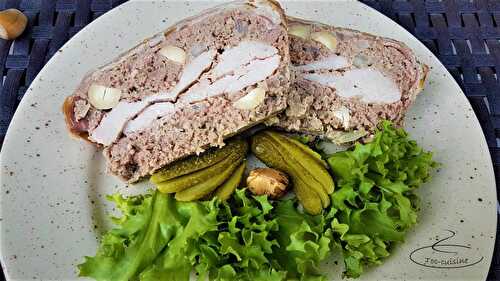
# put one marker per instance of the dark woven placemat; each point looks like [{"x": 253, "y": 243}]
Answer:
[{"x": 463, "y": 34}]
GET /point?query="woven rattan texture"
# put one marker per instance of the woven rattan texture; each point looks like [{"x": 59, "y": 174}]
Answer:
[
  {"x": 463, "y": 34},
  {"x": 51, "y": 24}
]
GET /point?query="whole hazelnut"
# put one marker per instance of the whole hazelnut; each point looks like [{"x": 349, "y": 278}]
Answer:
[
  {"x": 12, "y": 23},
  {"x": 267, "y": 181}
]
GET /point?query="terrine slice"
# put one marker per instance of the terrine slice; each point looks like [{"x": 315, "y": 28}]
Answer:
[
  {"x": 202, "y": 80},
  {"x": 347, "y": 80}
]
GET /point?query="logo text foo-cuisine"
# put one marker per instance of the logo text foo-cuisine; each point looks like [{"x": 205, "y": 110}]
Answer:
[{"x": 446, "y": 255}]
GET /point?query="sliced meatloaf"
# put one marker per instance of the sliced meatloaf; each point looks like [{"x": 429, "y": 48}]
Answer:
[
  {"x": 202, "y": 80},
  {"x": 347, "y": 80}
]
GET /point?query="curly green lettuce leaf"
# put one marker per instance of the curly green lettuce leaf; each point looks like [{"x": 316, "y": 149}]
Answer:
[
  {"x": 244, "y": 239},
  {"x": 359, "y": 249},
  {"x": 220, "y": 241},
  {"x": 148, "y": 224},
  {"x": 304, "y": 241},
  {"x": 375, "y": 203},
  {"x": 143, "y": 232},
  {"x": 264, "y": 241},
  {"x": 179, "y": 258}
]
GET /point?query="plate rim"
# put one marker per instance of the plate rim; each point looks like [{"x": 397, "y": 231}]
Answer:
[{"x": 22, "y": 106}]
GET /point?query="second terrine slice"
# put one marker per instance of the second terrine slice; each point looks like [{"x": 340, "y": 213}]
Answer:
[
  {"x": 347, "y": 81},
  {"x": 204, "y": 79}
]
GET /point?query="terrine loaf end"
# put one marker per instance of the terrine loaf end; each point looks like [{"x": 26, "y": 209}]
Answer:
[
  {"x": 347, "y": 80},
  {"x": 188, "y": 88}
]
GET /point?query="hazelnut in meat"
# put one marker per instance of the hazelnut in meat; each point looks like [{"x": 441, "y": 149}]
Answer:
[{"x": 267, "y": 181}]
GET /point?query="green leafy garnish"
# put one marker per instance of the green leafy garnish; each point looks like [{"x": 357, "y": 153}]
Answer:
[
  {"x": 375, "y": 203},
  {"x": 250, "y": 238},
  {"x": 148, "y": 224},
  {"x": 246, "y": 238},
  {"x": 304, "y": 241}
]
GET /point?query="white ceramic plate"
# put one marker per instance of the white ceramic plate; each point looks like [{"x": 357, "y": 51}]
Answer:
[{"x": 52, "y": 186}]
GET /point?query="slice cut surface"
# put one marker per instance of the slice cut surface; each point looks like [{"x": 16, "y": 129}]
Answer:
[
  {"x": 347, "y": 80},
  {"x": 179, "y": 90}
]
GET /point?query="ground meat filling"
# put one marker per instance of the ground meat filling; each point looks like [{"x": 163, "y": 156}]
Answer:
[
  {"x": 206, "y": 76},
  {"x": 182, "y": 91},
  {"x": 352, "y": 86}
]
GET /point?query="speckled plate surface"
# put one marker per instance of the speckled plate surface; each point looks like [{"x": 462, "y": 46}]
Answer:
[{"x": 52, "y": 186}]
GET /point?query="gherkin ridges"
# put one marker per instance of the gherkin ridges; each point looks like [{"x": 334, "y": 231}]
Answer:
[
  {"x": 269, "y": 152},
  {"x": 313, "y": 153},
  {"x": 296, "y": 172},
  {"x": 302, "y": 154},
  {"x": 201, "y": 177},
  {"x": 204, "y": 188},
  {"x": 226, "y": 189},
  {"x": 196, "y": 163},
  {"x": 312, "y": 182}
]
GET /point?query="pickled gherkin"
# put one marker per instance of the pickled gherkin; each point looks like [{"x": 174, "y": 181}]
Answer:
[
  {"x": 196, "y": 163},
  {"x": 206, "y": 187},
  {"x": 225, "y": 191},
  {"x": 309, "y": 151},
  {"x": 312, "y": 182},
  {"x": 199, "y": 177},
  {"x": 309, "y": 200},
  {"x": 303, "y": 158},
  {"x": 269, "y": 152}
]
